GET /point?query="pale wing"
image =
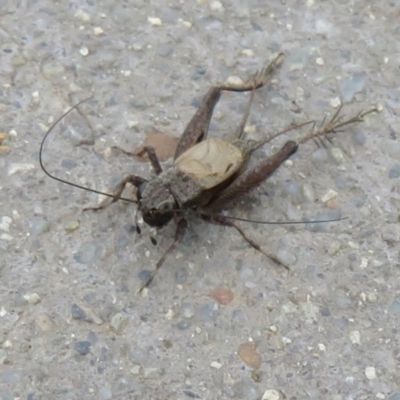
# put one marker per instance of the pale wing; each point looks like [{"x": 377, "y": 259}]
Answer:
[{"x": 210, "y": 162}]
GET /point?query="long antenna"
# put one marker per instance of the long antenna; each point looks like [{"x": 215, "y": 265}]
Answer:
[{"x": 63, "y": 180}]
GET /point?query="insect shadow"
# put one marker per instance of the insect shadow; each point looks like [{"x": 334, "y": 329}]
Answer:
[{"x": 207, "y": 173}]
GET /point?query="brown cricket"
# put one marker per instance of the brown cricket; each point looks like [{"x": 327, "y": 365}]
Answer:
[{"x": 209, "y": 172}]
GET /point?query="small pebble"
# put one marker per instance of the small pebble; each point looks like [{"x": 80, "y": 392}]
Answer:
[
  {"x": 82, "y": 15},
  {"x": 71, "y": 226},
  {"x": 151, "y": 373},
  {"x": 84, "y": 51},
  {"x": 135, "y": 370},
  {"x": 216, "y": 6},
  {"x": 155, "y": 21},
  {"x": 320, "y": 61},
  {"x": 394, "y": 172},
  {"x": 16, "y": 168},
  {"x": 78, "y": 313},
  {"x": 32, "y": 298},
  {"x": 355, "y": 337},
  {"x": 38, "y": 225},
  {"x": 286, "y": 257},
  {"x": 234, "y": 81},
  {"x": 98, "y": 31},
  {"x": 83, "y": 347},
  {"x": 271, "y": 394},
  {"x": 394, "y": 308},
  {"x": 5, "y": 223},
  {"x": 370, "y": 373},
  {"x": 215, "y": 365},
  {"x": 222, "y": 295},
  {"x": 116, "y": 322},
  {"x": 45, "y": 323},
  {"x": 248, "y": 353},
  {"x": 329, "y": 195},
  {"x": 335, "y": 102},
  {"x": 3, "y": 356}
]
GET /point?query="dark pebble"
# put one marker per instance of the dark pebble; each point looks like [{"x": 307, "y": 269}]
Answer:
[
  {"x": 183, "y": 325},
  {"x": 83, "y": 347},
  {"x": 67, "y": 163},
  {"x": 394, "y": 308},
  {"x": 78, "y": 313},
  {"x": 394, "y": 396},
  {"x": 145, "y": 275},
  {"x": 181, "y": 276},
  {"x": 325, "y": 312},
  {"x": 191, "y": 394},
  {"x": 394, "y": 172}
]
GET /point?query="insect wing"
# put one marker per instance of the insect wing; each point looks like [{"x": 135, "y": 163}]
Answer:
[{"x": 210, "y": 162}]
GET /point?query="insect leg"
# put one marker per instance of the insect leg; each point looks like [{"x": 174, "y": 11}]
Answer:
[
  {"x": 253, "y": 177},
  {"x": 220, "y": 220},
  {"x": 151, "y": 153},
  {"x": 134, "y": 180},
  {"x": 197, "y": 128},
  {"x": 333, "y": 125},
  {"x": 179, "y": 233}
]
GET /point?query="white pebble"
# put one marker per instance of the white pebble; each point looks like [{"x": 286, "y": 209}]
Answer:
[
  {"x": 155, "y": 21},
  {"x": 248, "y": 52},
  {"x": 216, "y": 6},
  {"x": 84, "y": 51},
  {"x": 35, "y": 94},
  {"x": 135, "y": 370},
  {"x": 329, "y": 195},
  {"x": 6, "y": 237},
  {"x": 335, "y": 103},
  {"x": 82, "y": 15},
  {"x": 270, "y": 394},
  {"x": 286, "y": 340},
  {"x": 98, "y": 31},
  {"x": 355, "y": 337},
  {"x": 273, "y": 328},
  {"x": 320, "y": 61},
  {"x": 370, "y": 373},
  {"x": 17, "y": 167},
  {"x": 321, "y": 347},
  {"x": 216, "y": 365},
  {"x": 364, "y": 263},
  {"x": 32, "y": 298},
  {"x": 5, "y": 223},
  {"x": 187, "y": 24},
  {"x": 234, "y": 81},
  {"x": 13, "y": 133}
]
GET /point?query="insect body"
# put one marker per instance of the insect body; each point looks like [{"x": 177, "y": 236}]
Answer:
[{"x": 209, "y": 172}]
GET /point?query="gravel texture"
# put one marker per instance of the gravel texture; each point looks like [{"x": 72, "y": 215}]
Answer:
[{"x": 220, "y": 321}]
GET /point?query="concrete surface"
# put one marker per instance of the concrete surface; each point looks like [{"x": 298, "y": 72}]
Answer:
[{"x": 72, "y": 325}]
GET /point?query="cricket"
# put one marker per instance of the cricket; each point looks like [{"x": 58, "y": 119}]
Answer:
[{"x": 208, "y": 172}]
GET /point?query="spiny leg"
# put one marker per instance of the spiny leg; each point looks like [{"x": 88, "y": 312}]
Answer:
[
  {"x": 253, "y": 177},
  {"x": 220, "y": 220},
  {"x": 197, "y": 128},
  {"x": 179, "y": 233},
  {"x": 151, "y": 153},
  {"x": 333, "y": 125},
  {"x": 132, "y": 179}
]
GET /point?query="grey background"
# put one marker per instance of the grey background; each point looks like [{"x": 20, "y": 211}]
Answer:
[{"x": 71, "y": 323}]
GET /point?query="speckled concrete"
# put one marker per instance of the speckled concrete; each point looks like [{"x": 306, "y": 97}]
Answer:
[{"x": 71, "y": 323}]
